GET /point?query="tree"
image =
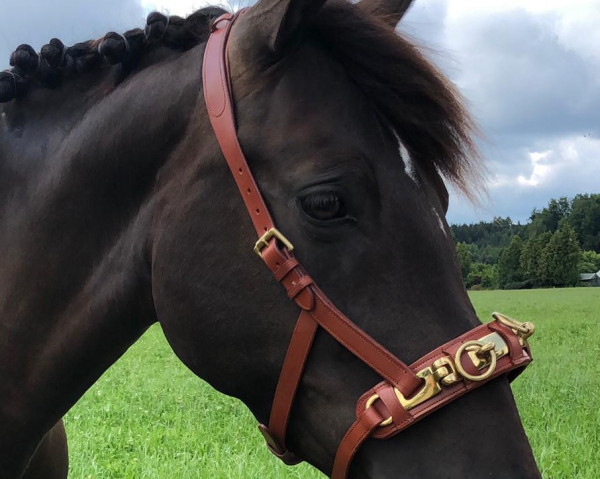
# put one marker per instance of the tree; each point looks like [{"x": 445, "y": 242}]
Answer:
[
  {"x": 560, "y": 258},
  {"x": 531, "y": 255},
  {"x": 482, "y": 275},
  {"x": 589, "y": 262},
  {"x": 585, "y": 220},
  {"x": 483, "y": 243},
  {"x": 509, "y": 267},
  {"x": 465, "y": 258},
  {"x": 550, "y": 217}
]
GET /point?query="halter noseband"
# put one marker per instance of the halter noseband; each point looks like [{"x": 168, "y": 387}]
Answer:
[{"x": 407, "y": 393}]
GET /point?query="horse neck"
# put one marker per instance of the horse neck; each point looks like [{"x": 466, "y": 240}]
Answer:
[{"x": 77, "y": 189}]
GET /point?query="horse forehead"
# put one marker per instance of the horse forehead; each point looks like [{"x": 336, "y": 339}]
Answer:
[
  {"x": 309, "y": 109},
  {"x": 308, "y": 83},
  {"x": 310, "y": 122}
]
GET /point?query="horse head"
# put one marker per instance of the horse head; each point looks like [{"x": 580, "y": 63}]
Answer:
[{"x": 348, "y": 131}]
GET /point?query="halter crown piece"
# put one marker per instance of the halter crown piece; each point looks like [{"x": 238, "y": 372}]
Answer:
[{"x": 406, "y": 393}]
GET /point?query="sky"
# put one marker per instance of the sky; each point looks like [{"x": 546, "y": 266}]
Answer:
[{"x": 528, "y": 69}]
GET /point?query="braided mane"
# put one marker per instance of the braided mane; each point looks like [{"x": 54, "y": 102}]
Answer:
[
  {"x": 416, "y": 99},
  {"x": 57, "y": 62}
]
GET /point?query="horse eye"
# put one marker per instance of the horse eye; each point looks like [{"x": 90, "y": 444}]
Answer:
[{"x": 323, "y": 206}]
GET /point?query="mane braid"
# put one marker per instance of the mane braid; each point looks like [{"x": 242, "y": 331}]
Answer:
[
  {"x": 417, "y": 100},
  {"x": 55, "y": 63}
]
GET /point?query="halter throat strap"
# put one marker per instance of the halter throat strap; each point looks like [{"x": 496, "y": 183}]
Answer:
[{"x": 406, "y": 393}]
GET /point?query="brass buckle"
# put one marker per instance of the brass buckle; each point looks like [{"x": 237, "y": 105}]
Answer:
[
  {"x": 263, "y": 241},
  {"x": 429, "y": 389}
]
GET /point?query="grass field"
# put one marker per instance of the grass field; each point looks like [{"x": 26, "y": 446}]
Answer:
[{"x": 149, "y": 417}]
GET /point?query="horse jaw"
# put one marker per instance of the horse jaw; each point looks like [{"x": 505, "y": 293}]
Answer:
[{"x": 483, "y": 444}]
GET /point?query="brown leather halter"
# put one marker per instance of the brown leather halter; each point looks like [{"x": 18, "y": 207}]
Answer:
[{"x": 407, "y": 393}]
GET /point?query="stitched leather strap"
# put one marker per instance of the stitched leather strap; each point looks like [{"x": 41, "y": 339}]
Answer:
[
  {"x": 516, "y": 360},
  {"x": 291, "y": 373},
  {"x": 366, "y": 423},
  {"x": 339, "y": 326},
  {"x": 218, "y": 99},
  {"x": 381, "y": 402}
]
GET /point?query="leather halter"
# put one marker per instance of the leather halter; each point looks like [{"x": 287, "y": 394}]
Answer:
[{"x": 407, "y": 393}]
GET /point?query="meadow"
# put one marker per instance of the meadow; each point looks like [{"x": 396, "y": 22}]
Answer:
[{"x": 149, "y": 417}]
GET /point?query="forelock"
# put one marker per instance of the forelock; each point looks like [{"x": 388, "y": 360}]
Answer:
[{"x": 417, "y": 101}]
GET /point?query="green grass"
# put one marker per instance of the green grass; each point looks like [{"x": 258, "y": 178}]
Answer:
[
  {"x": 149, "y": 417},
  {"x": 559, "y": 394}
]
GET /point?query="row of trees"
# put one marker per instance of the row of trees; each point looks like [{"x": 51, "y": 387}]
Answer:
[{"x": 559, "y": 242}]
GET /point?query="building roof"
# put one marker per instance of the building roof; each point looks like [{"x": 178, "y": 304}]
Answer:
[{"x": 589, "y": 276}]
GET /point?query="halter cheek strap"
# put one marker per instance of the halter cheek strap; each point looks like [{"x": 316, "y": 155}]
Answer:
[{"x": 407, "y": 393}]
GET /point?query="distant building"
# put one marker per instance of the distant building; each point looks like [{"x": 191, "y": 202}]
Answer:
[{"x": 592, "y": 279}]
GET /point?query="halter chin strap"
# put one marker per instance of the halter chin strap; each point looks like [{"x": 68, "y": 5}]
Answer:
[{"x": 407, "y": 393}]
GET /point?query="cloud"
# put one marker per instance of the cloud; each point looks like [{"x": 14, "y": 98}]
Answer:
[
  {"x": 540, "y": 172},
  {"x": 175, "y": 7},
  {"x": 522, "y": 78},
  {"x": 424, "y": 23},
  {"x": 563, "y": 166},
  {"x": 530, "y": 71}
]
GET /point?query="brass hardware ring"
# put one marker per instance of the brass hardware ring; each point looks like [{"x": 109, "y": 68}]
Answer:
[
  {"x": 472, "y": 377},
  {"x": 370, "y": 402}
]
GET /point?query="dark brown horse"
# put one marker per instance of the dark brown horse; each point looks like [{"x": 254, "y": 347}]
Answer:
[{"x": 117, "y": 210}]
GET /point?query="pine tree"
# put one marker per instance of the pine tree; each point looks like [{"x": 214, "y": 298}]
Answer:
[
  {"x": 509, "y": 267},
  {"x": 531, "y": 256},
  {"x": 585, "y": 219},
  {"x": 465, "y": 258},
  {"x": 560, "y": 257}
]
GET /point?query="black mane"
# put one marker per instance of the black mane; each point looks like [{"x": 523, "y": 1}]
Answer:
[
  {"x": 418, "y": 102},
  {"x": 415, "y": 98},
  {"x": 56, "y": 62}
]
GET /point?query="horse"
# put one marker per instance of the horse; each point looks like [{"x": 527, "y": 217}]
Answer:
[{"x": 118, "y": 210}]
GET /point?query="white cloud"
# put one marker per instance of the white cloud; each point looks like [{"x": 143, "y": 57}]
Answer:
[
  {"x": 534, "y": 6},
  {"x": 173, "y": 7},
  {"x": 530, "y": 71},
  {"x": 186, "y": 7},
  {"x": 540, "y": 171},
  {"x": 558, "y": 167},
  {"x": 578, "y": 31}
]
